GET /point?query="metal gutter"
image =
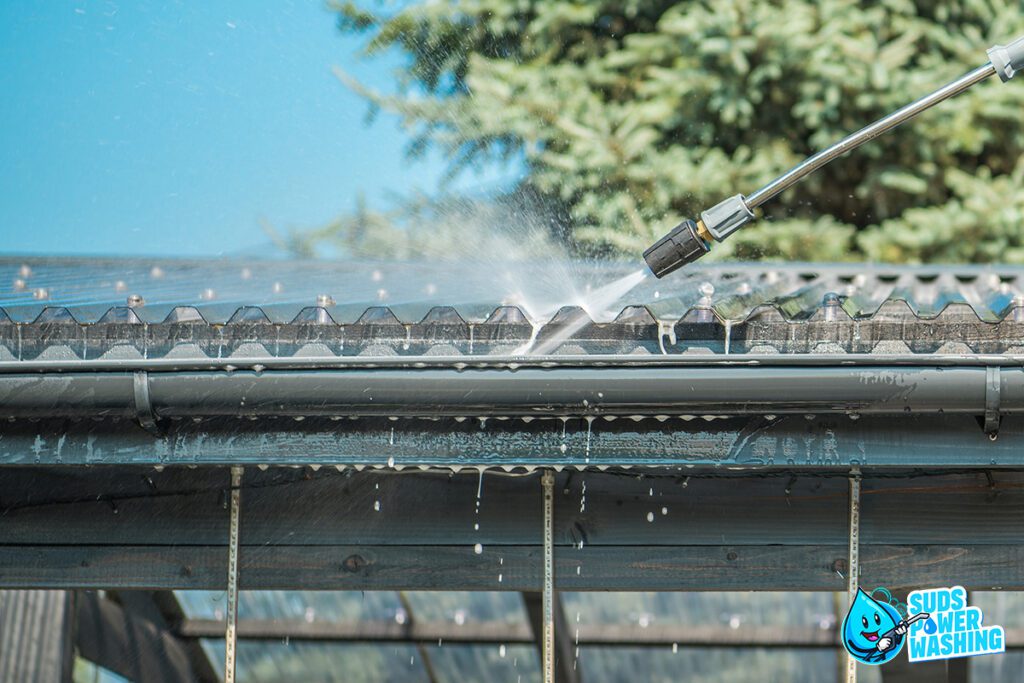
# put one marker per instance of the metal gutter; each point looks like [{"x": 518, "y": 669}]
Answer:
[
  {"x": 455, "y": 363},
  {"x": 495, "y": 391}
]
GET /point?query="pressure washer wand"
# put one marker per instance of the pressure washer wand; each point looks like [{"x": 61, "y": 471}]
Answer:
[
  {"x": 891, "y": 633},
  {"x": 690, "y": 240}
]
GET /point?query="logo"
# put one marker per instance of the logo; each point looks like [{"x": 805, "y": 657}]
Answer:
[
  {"x": 952, "y": 629},
  {"x": 874, "y": 632},
  {"x": 934, "y": 624}
]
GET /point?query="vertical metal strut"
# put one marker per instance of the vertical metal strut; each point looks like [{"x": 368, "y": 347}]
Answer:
[
  {"x": 230, "y": 634},
  {"x": 853, "y": 565},
  {"x": 548, "y": 649}
]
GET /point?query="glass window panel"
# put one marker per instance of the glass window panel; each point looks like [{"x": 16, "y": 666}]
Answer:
[
  {"x": 714, "y": 665},
  {"x": 266, "y": 662},
  {"x": 727, "y": 609},
  {"x": 85, "y": 671},
  {"x": 308, "y": 606},
  {"x": 1004, "y": 668},
  {"x": 485, "y": 664},
  {"x": 467, "y": 606},
  {"x": 1005, "y": 608}
]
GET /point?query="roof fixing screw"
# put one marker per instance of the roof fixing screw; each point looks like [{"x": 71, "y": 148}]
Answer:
[
  {"x": 324, "y": 300},
  {"x": 831, "y": 304},
  {"x": 135, "y": 301},
  {"x": 1018, "y": 308},
  {"x": 706, "y": 291}
]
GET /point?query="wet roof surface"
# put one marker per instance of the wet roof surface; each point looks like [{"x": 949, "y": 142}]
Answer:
[{"x": 92, "y": 308}]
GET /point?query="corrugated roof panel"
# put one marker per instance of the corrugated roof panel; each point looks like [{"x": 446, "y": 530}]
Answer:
[{"x": 107, "y": 308}]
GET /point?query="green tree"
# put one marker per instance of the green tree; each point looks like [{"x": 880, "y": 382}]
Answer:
[{"x": 631, "y": 115}]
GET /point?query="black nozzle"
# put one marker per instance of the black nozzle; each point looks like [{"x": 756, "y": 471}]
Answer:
[{"x": 680, "y": 246}]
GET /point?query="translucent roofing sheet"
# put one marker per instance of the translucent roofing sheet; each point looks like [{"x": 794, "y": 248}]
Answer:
[
  {"x": 218, "y": 289},
  {"x": 89, "y": 309}
]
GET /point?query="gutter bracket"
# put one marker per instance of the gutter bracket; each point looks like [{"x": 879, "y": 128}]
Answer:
[
  {"x": 144, "y": 413},
  {"x": 993, "y": 385}
]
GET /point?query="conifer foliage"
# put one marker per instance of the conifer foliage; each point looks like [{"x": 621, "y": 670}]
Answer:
[{"x": 633, "y": 114}]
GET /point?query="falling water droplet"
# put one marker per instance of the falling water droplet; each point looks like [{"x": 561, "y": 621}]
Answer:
[
  {"x": 590, "y": 427},
  {"x": 478, "y": 548}
]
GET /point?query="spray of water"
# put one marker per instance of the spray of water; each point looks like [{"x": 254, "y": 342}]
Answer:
[
  {"x": 598, "y": 303},
  {"x": 473, "y": 255}
]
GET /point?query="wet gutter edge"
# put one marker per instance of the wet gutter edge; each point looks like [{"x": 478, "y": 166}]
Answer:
[
  {"x": 509, "y": 362},
  {"x": 642, "y": 390}
]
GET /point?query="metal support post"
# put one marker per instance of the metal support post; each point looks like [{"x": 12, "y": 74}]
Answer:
[
  {"x": 548, "y": 649},
  {"x": 230, "y": 634},
  {"x": 853, "y": 564}
]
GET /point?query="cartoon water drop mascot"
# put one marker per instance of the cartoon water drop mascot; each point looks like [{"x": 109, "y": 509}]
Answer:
[{"x": 873, "y": 632}]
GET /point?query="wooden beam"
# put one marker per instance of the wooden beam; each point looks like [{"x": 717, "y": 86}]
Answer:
[
  {"x": 495, "y": 633},
  {"x": 135, "y": 528},
  {"x": 410, "y": 622},
  {"x": 140, "y": 506},
  {"x": 132, "y": 647},
  {"x": 624, "y": 568},
  {"x": 958, "y": 670},
  {"x": 162, "y": 609},
  {"x": 389, "y": 631}
]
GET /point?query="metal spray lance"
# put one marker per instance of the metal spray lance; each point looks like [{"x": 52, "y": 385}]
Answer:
[{"x": 690, "y": 240}]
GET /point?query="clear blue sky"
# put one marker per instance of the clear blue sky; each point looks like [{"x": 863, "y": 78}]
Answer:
[{"x": 148, "y": 127}]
